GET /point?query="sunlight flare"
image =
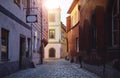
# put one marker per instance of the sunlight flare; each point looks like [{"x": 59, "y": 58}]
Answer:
[{"x": 51, "y": 4}]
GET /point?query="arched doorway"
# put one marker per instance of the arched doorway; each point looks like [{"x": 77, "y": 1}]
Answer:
[{"x": 52, "y": 52}]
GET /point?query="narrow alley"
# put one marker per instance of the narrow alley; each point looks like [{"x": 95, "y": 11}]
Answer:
[
  {"x": 54, "y": 69},
  {"x": 52, "y": 38}
]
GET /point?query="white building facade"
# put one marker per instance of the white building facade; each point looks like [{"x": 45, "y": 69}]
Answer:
[
  {"x": 20, "y": 41},
  {"x": 53, "y": 49},
  {"x": 15, "y": 36}
]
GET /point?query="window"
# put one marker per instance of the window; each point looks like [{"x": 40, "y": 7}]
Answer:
[
  {"x": 67, "y": 44},
  {"x": 34, "y": 46},
  {"x": 51, "y": 17},
  {"x": 93, "y": 31},
  {"x": 38, "y": 46},
  {"x": 115, "y": 24},
  {"x": 77, "y": 44},
  {"x": 28, "y": 47},
  {"x": 17, "y": 2},
  {"x": 4, "y": 41},
  {"x": 52, "y": 33}
]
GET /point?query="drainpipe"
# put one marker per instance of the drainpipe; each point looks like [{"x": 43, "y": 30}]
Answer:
[
  {"x": 41, "y": 58},
  {"x": 79, "y": 26}
]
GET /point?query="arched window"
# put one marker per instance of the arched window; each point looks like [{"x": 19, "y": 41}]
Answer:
[
  {"x": 52, "y": 52},
  {"x": 115, "y": 24}
]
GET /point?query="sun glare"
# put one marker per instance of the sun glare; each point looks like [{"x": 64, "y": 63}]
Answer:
[{"x": 51, "y": 4}]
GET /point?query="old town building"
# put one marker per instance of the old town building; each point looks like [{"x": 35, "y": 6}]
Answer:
[
  {"x": 15, "y": 37},
  {"x": 73, "y": 31},
  {"x": 44, "y": 27},
  {"x": 99, "y": 36},
  {"x": 53, "y": 49},
  {"x": 21, "y": 38},
  {"x": 36, "y": 8},
  {"x": 39, "y": 30}
]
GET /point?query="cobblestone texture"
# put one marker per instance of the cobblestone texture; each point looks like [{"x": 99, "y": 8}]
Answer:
[{"x": 54, "y": 69}]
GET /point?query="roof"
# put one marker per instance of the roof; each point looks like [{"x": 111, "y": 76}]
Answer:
[
  {"x": 63, "y": 26},
  {"x": 72, "y": 6}
]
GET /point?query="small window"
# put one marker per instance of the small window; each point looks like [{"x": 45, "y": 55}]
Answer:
[
  {"x": 4, "y": 41},
  {"x": 38, "y": 42},
  {"x": 35, "y": 43},
  {"x": 28, "y": 46},
  {"x": 93, "y": 31},
  {"x": 77, "y": 44},
  {"x": 52, "y": 33}
]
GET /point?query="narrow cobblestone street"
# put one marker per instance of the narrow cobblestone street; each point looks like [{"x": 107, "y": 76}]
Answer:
[{"x": 54, "y": 69}]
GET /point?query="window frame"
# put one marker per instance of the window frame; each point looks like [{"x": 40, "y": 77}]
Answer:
[
  {"x": 53, "y": 32},
  {"x": 115, "y": 19},
  {"x": 5, "y": 58},
  {"x": 77, "y": 44}
]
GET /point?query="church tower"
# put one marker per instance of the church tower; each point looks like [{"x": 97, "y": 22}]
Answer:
[{"x": 53, "y": 49}]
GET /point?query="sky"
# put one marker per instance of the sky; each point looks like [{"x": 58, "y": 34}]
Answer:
[{"x": 64, "y": 5}]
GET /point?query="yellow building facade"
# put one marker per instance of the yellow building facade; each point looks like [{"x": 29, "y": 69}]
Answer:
[{"x": 63, "y": 41}]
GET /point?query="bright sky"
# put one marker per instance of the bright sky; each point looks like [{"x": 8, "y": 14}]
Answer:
[{"x": 64, "y": 4}]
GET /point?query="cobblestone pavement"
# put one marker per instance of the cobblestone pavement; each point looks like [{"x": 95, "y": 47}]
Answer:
[{"x": 54, "y": 69}]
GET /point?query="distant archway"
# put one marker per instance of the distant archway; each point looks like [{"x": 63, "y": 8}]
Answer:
[{"x": 52, "y": 52}]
